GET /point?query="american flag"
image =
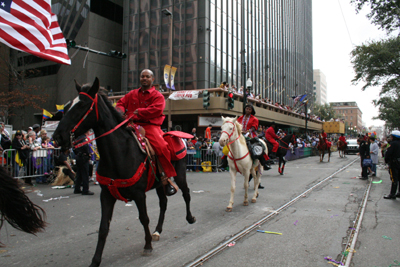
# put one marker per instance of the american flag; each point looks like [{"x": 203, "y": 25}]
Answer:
[
  {"x": 296, "y": 98},
  {"x": 30, "y": 26}
]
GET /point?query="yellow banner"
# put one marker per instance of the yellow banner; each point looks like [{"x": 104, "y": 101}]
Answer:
[
  {"x": 173, "y": 71},
  {"x": 167, "y": 70}
]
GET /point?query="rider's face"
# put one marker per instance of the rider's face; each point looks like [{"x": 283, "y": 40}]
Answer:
[
  {"x": 146, "y": 79},
  {"x": 248, "y": 110}
]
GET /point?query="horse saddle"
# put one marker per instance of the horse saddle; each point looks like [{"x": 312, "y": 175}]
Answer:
[{"x": 256, "y": 147}]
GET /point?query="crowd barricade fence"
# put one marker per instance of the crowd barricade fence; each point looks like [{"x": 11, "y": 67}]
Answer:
[
  {"x": 202, "y": 160},
  {"x": 37, "y": 164}
]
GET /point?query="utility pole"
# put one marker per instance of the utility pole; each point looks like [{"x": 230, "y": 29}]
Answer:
[{"x": 168, "y": 13}]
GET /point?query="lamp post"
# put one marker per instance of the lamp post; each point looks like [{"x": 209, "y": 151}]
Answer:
[
  {"x": 249, "y": 84},
  {"x": 168, "y": 13}
]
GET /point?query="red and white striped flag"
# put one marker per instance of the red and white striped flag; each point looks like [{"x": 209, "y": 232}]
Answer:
[{"x": 30, "y": 26}]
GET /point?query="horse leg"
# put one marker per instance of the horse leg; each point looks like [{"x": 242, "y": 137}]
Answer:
[
  {"x": 163, "y": 208},
  {"x": 140, "y": 201},
  {"x": 329, "y": 155},
  {"x": 181, "y": 181},
  {"x": 107, "y": 207},
  {"x": 283, "y": 166},
  {"x": 279, "y": 166},
  {"x": 256, "y": 175},
  {"x": 246, "y": 174},
  {"x": 233, "y": 186}
]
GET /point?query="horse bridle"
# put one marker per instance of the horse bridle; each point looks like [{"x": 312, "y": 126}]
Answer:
[
  {"x": 230, "y": 135},
  {"x": 94, "y": 104}
]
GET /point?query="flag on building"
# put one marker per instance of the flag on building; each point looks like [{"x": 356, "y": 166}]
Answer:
[
  {"x": 296, "y": 98},
  {"x": 60, "y": 108},
  {"x": 30, "y": 26},
  {"x": 47, "y": 115}
]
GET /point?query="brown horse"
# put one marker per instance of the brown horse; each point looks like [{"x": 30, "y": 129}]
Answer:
[
  {"x": 342, "y": 147},
  {"x": 322, "y": 146}
]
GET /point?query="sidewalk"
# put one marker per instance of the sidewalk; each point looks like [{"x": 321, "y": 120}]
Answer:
[{"x": 381, "y": 224}]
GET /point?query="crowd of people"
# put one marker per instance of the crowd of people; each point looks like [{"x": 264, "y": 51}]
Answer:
[
  {"x": 32, "y": 154},
  {"x": 240, "y": 91}
]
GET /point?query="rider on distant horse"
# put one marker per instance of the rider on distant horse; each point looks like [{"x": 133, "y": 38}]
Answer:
[
  {"x": 324, "y": 136},
  {"x": 147, "y": 104},
  {"x": 249, "y": 129},
  {"x": 342, "y": 138},
  {"x": 271, "y": 136}
]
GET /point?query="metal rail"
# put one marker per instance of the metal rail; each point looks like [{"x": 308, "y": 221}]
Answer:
[{"x": 203, "y": 258}]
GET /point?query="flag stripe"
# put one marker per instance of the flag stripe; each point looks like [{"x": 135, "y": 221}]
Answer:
[{"x": 31, "y": 27}]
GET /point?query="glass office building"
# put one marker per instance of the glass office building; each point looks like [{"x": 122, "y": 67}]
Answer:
[{"x": 268, "y": 41}]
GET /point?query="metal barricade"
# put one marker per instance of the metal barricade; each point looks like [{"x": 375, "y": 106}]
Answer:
[
  {"x": 200, "y": 160},
  {"x": 36, "y": 163}
]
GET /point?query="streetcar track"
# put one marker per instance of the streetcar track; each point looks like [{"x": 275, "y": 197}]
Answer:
[{"x": 224, "y": 245}]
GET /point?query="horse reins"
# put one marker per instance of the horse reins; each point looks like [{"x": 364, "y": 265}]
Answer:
[
  {"x": 229, "y": 137},
  {"x": 95, "y": 103}
]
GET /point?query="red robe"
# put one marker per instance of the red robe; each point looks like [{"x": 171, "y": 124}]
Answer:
[
  {"x": 325, "y": 136},
  {"x": 270, "y": 135},
  {"x": 150, "y": 105},
  {"x": 250, "y": 124},
  {"x": 342, "y": 138}
]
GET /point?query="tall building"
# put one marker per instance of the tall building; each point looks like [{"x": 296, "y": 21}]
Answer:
[
  {"x": 219, "y": 40},
  {"x": 350, "y": 112},
  {"x": 211, "y": 41},
  {"x": 320, "y": 92}
]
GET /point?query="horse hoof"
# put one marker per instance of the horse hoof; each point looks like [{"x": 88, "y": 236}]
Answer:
[
  {"x": 156, "y": 236},
  {"x": 245, "y": 203},
  {"x": 281, "y": 173},
  {"x": 257, "y": 195},
  {"x": 253, "y": 200},
  {"x": 147, "y": 252},
  {"x": 228, "y": 209},
  {"x": 192, "y": 220}
]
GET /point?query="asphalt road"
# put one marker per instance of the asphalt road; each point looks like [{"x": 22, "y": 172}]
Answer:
[{"x": 314, "y": 227}]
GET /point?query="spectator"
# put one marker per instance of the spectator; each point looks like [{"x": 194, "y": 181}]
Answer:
[
  {"x": 47, "y": 160},
  {"x": 42, "y": 133},
  {"x": 207, "y": 134},
  {"x": 240, "y": 91},
  {"x": 374, "y": 151},
  {"x": 34, "y": 157},
  {"x": 364, "y": 154},
  {"x": 36, "y": 128},
  {"x": 22, "y": 148},
  {"x": 4, "y": 137},
  {"x": 199, "y": 146},
  {"x": 82, "y": 163},
  {"x": 193, "y": 132}
]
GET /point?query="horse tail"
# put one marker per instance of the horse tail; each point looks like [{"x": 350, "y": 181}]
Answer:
[{"x": 16, "y": 208}]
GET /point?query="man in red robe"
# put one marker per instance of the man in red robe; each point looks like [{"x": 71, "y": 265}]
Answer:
[
  {"x": 325, "y": 136},
  {"x": 271, "y": 136},
  {"x": 147, "y": 106}
]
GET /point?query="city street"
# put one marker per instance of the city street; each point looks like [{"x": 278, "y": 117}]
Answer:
[{"x": 314, "y": 227}]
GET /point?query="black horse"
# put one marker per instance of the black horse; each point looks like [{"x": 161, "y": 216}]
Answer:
[
  {"x": 282, "y": 150},
  {"x": 16, "y": 208},
  {"x": 120, "y": 158}
]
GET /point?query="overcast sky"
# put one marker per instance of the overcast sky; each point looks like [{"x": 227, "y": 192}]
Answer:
[{"x": 332, "y": 44}]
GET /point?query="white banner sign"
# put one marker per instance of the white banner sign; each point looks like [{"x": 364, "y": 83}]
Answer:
[{"x": 187, "y": 95}]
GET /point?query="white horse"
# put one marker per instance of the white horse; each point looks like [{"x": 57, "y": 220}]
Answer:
[{"x": 239, "y": 159}]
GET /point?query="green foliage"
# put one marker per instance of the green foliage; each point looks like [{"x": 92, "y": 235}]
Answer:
[
  {"x": 384, "y": 13},
  {"x": 325, "y": 111},
  {"x": 377, "y": 63},
  {"x": 389, "y": 109}
]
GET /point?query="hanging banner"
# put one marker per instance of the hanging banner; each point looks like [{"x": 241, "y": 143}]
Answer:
[
  {"x": 173, "y": 71},
  {"x": 167, "y": 70},
  {"x": 186, "y": 95}
]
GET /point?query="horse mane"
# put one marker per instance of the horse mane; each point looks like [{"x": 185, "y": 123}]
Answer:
[
  {"x": 239, "y": 128},
  {"x": 114, "y": 112}
]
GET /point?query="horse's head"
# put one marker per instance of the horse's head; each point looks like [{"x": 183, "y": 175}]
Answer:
[
  {"x": 230, "y": 129},
  {"x": 81, "y": 116}
]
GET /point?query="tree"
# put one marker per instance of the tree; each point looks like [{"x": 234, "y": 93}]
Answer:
[
  {"x": 325, "y": 111},
  {"x": 377, "y": 63},
  {"x": 389, "y": 109},
  {"x": 384, "y": 13},
  {"x": 15, "y": 93}
]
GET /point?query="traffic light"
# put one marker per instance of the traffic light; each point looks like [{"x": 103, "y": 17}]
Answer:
[
  {"x": 206, "y": 99},
  {"x": 70, "y": 43},
  {"x": 117, "y": 54},
  {"x": 231, "y": 101}
]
